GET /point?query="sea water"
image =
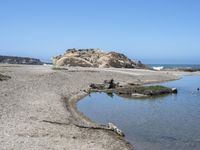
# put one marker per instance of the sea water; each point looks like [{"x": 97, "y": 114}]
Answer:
[
  {"x": 170, "y": 122},
  {"x": 173, "y": 66}
]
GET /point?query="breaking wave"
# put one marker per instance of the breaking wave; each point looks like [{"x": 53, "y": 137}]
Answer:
[{"x": 158, "y": 68}]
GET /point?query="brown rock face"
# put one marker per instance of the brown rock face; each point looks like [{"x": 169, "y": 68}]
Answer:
[{"x": 95, "y": 58}]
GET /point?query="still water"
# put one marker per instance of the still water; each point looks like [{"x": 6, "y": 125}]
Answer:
[{"x": 169, "y": 122}]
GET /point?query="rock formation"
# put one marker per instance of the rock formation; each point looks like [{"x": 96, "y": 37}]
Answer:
[
  {"x": 95, "y": 58},
  {"x": 131, "y": 90},
  {"x": 19, "y": 60}
]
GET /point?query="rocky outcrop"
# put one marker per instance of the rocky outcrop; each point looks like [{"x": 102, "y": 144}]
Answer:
[
  {"x": 95, "y": 58},
  {"x": 131, "y": 90},
  {"x": 19, "y": 60}
]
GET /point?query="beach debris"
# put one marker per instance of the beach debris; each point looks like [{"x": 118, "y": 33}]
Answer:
[
  {"x": 4, "y": 77},
  {"x": 108, "y": 84},
  {"x": 111, "y": 126},
  {"x": 174, "y": 90},
  {"x": 96, "y": 86},
  {"x": 55, "y": 122}
]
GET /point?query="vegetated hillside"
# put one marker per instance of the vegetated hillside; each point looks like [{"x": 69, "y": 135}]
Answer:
[{"x": 19, "y": 60}]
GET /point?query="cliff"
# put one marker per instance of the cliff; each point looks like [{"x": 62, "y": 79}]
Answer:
[
  {"x": 95, "y": 58},
  {"x": 19, "y": 60}
]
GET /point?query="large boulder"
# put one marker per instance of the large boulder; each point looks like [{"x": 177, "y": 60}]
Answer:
[{"x": 95, "y": 58}]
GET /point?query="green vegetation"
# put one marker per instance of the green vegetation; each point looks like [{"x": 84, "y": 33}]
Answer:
[
  {"x": 145, "y": 90},
  {"x": 59, "y": 68},
  {"x": 157, "y": 87},
  {"x": 4, "y": 77}
]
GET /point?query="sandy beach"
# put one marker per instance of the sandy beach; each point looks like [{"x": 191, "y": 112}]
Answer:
[{"x": 33, "y": 113}]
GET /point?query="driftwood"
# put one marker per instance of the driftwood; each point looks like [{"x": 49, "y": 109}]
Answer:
[
  {"x": 78, "y": 123},
  {"x": 110, "y": 126},
  {"x": 108, "y": 84}
]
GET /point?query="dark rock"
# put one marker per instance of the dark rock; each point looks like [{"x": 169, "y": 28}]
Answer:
[
  {"x": 174, "y": 90},
  {"x": 189, "y": 69},
  {"x": 110, "y": 84},
  {"x": 97, "y": 86}
]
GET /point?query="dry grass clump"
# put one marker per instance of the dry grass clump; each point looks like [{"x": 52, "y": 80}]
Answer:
[{"x": 4, "y": 77}]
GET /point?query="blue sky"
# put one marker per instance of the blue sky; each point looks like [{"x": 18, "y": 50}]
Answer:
[{"x": 154, "y": 31}]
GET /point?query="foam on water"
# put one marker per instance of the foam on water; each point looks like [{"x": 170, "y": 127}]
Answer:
[{"x": 158, "y": 68}]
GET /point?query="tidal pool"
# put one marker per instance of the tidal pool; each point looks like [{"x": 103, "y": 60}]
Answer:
[{"x": 170, "y": 122}]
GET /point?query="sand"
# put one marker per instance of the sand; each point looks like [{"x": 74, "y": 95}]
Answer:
[{"x": 33, "y": 113}]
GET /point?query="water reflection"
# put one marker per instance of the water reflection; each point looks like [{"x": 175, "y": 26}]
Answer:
[{"x": 166, "y": 122}]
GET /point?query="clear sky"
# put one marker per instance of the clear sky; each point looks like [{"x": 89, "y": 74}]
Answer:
[{"x": 154, "y": 31}]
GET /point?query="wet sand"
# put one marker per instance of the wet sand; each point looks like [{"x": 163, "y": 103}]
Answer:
[{"x": 33, "y": 112}]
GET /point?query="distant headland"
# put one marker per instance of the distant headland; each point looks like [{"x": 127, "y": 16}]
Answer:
[{"x": 19, "y": 60}]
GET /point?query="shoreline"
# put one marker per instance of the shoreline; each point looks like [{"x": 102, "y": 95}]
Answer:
[
  {"x": 71, "y": 105},
  {"x": 42, "y": 102}
]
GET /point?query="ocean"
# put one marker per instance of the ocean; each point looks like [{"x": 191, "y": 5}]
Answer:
[{"x": 172, "y": 66}]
